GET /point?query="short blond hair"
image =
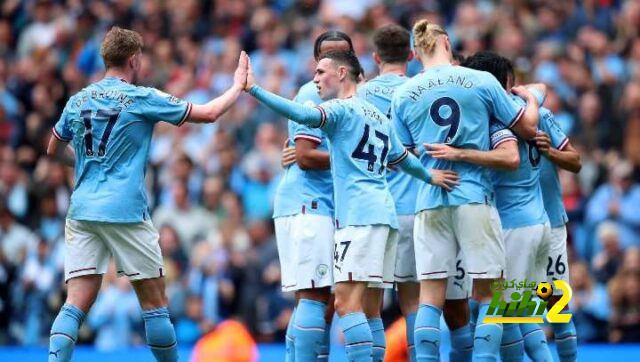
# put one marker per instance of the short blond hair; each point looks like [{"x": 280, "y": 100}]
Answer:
[
  {"x": 425, "y": 35},
  {"x": 118, "y": 45}
]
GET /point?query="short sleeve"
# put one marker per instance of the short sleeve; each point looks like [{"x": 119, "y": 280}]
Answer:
[
  {"x": 500, "y": 134},
  {"x": 548, "y": 124},
  {"x": 398, "y": 152},
  {"x": 305, "y": 132},
  {"x": 331, "y": 112},
  {"x": 399, "y": 126},
  {"x": 536, "y": 93},
  {"x": 62, "y": 129},
  {"x": 160, "y": 106},
  {"x": 502, "y": 107}
]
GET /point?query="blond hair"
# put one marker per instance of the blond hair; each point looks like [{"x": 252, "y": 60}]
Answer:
[
  {"x": 118, "y": 45},
  {"x": 425, "y": 35}
]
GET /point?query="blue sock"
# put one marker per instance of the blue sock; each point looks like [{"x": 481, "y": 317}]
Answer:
[
  {"x": 64, "y": 333},
  {"x": 309, "y": 329},
  {"x": 486, "y": 341},
  {"x": 289, "y": 341},
  {"x": 379, "y": 342},
  {"x": 535, "y": 342},
  {"x": 326, "y": 344},
  {"x": 512, "y": 347},
  {"x": 566, "y": 341},
  {"x": 411, "y": 323},
  {"x": 357, "y": 335},
  {"x": 427, "y": 333},
  {"x": 461, "y": 344},
  {"x": 161, "y": 337},
  {"x": 473, "y": 310}
]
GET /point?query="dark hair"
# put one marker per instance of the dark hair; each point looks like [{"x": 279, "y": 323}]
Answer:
[
  {"x": 458, "y": 57},
  {"x": 499, "y": 66},
  {"x": 392, "y": 43},
  {"x": 346, "y": 58},
  {"x": 332, "y": 35}
]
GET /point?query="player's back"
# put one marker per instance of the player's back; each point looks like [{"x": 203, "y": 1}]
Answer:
[
  {"x": 109, "y": 124},
  {"x": 518, "y": 194},
  {"x": 452, "y": 105},
  {"x": 379, "y": 92},
  {"x": 361, "y": 145},
  {"x": 549, "y": 180},
  {"x": 298, "y": 188}
]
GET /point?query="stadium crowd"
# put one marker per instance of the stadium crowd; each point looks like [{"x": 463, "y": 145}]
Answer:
[{"x": 211, "y": 186}]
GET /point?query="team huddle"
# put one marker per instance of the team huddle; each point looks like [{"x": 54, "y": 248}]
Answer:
[{"x": 434, "y": 185}]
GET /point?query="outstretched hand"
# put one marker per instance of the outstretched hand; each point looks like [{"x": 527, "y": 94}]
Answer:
[
  {"x": 442, "y": 151},
  {"x": 240, "y": 75}
]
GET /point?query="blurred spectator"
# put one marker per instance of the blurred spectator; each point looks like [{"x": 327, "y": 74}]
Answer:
[
  {"x": 625, "y": 300},
  {"x": 39, "y": 277},
  {"x": 15, "y": 239},
  {"x": 116, "y": 314},
  {"x": 189, "y": 221},
  {"x": 607, "y": 262},
  {"x": 193, "y": 325},
  {"x": 14, "y": 189},
  {"x": 618, "y": 201},
  {"x": 589, "y": 305}
]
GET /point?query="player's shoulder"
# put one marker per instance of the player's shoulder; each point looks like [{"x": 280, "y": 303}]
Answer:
[
  {"x": 409, "y": 84},
  {"x": 479, "y": 74},
  {"x": 546, "y": 119}
]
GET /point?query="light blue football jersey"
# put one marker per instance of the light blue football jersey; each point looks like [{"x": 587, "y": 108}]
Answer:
[
  {"x": 452, "y": 105},
  {"x": 379, "y": 92},
  {"x": 519, "y": 197},
  {"x": 109, "y": 124},
  {"x": 308, "y": 191},
  {"x": 549, "y": 181},
  {"x": 363, "y": 143}
]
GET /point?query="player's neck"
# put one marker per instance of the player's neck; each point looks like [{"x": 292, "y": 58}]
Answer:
[
  {"x": 393, "y": 68},
  {"x": 439, "y": 58},
  {"x": 118, "y": 73},
  {"x": 347, "y": 90}
]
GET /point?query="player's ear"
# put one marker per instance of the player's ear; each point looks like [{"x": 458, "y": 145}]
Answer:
[
  {"x": 412, "y": 55},
  {"x": 342, "y": 72},
  {"x": 376, "y": 58}
]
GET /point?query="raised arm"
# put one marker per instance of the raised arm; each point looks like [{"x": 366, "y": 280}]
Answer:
[
  {"x": 527, "y": 126},
  {"x": 211, "y": 111},
  {"x": 296, "y": 112}
]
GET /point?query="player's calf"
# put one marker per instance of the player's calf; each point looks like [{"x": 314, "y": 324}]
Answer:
[
  {"x": 354, "y": 324},
  {"x": 487, "y": 337},
  {"x": 408, "y": 300},
  {"x": 372, "y": 306},
  {"x": 64, "y": 333},
  {"x": 456, "y": 315},
  {"x": 310, "y": 325},
  {"x": 160, "y": 335}
]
